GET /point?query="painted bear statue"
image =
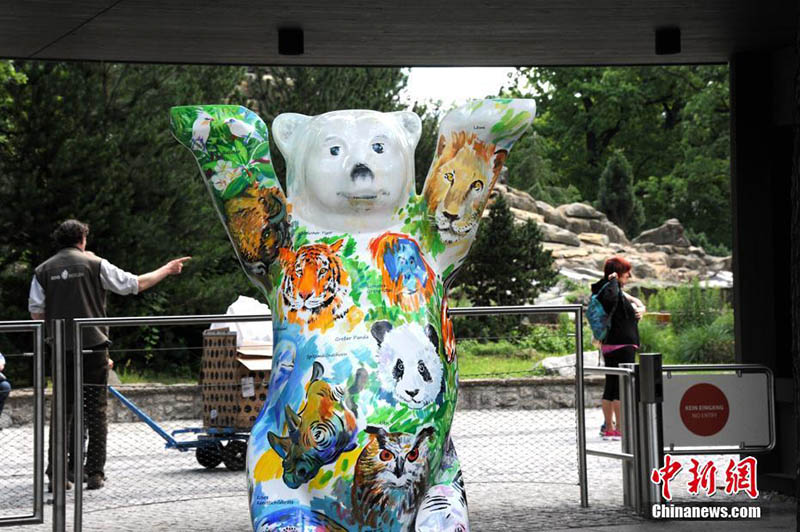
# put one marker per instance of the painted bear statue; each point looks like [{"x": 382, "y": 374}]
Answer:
[{"x": 355, "y": 431}]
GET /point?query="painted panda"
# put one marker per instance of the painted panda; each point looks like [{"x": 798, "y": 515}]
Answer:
[{"x": 409, "y": 363}]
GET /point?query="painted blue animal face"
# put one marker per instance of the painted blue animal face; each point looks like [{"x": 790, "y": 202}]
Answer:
[
  {"x": 317, "y": 435},
  {"x": 405, "y": 265}
]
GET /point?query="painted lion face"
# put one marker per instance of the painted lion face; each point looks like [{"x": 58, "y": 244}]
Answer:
[{"x": 464, "y": 172}]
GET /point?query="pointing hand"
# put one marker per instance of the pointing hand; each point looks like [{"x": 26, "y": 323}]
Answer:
[{"x": 175, "y": 266}]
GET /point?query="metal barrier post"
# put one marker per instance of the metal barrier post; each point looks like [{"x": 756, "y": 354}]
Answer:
[
  {"x": 627, "y": 421},
  {"x": 38, "y": 429},
  {"x": 579, "y": 406},
  {"x": 57, "y": 430},
  {"x": 77, "y": 417},
  {"x": 630, "y": 479},
  {"x": 37, "y": 328},
  {"x": 651, "y": 445}
]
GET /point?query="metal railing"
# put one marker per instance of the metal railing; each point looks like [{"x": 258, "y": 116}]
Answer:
[
  {"x": 641, "y": 428},
  {"x": 642, "y": 443},
  {"x": 643, "y": 439},
  {"x": 79, "y": 325},
  {"x": 630, "y": 430},
  {"x": 37, "y": 328},
  {"x": 580, "y": 414},
  {"x": 59, "y": 421}
]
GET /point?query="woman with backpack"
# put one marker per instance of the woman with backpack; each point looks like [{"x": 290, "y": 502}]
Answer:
[{"x": 621, "y": 337}]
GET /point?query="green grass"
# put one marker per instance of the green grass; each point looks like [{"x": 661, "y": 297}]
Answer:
[
  {"x": 495, "y": 367},
  {"x": 497, "y": 360},
  {"x": 128, "y": 376}
]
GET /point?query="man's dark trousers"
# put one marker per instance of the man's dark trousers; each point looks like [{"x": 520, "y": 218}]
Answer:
[{"x": 95, "y": 409}]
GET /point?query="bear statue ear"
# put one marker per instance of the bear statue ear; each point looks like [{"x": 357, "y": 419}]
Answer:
[
  {"x": 430, "y": 332},
  {"x": 411, "y": 125},
  {"x": 379, "y": 330},
  {"x": 284, "y": 129}
]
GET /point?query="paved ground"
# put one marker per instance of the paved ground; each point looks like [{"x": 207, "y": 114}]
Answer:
[{"x": 520, "y": 466}]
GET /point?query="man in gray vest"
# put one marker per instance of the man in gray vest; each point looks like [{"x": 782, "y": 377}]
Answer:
[{"x": 71, "y": 284}]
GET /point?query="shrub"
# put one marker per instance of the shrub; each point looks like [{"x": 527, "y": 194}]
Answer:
[
  {"x": 547, "y": 340},
  {"x": 503, "y": 348},
  {"x": 690, "y": 305},
  {"x": 707, "y": 344},
  {"x": 700, "y": 239},
  {"x": 656, "y": 338}
]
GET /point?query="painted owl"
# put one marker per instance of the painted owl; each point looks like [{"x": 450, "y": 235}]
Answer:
[{"x": 390, "y": 477}]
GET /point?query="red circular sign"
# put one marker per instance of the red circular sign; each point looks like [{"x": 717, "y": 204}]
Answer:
[{"x": 704, "y": 409}]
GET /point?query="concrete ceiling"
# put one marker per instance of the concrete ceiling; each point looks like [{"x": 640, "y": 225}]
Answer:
[{"x": 401, "y": 32}]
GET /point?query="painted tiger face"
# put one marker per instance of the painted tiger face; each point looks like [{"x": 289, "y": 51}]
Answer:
[{"x": 315, "y": 284}]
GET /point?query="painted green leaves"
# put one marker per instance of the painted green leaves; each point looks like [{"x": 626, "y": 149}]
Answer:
[
  {"x": 230, "y": 143},
  {"x": 417, "y": 221},
  {"x": 511, "y": 125}
]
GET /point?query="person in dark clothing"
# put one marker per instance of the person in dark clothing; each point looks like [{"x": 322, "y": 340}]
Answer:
[
  {"x": 71, "y": 284},
  {"x": 5, "y": 385},
  {"x": 622, "y": 339}
]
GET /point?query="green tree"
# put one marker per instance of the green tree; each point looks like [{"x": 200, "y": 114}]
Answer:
[
  {"x": 586, "y": 112},
  {"x": 91, "y": 141},
  {"x": 532, "y": 171},
  {"x": 507, "y": 264},
  {"x": 9, "y": 78},
  {"x": 615, "y": 195},
  {"x": 671, "y": 121},
  {"x": 704, "y": 165}
]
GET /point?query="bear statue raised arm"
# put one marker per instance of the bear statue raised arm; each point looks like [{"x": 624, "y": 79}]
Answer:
[{"x": 355, "y": 431}]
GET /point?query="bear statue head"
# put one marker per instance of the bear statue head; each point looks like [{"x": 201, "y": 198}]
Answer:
[{"x": 348, "y": 170}]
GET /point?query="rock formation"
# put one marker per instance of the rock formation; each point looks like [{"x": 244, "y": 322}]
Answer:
[{"x": 581, "y": 238}]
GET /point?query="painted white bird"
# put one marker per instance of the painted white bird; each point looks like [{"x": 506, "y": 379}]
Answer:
[
  {"x": 201, "y": 129},
  {"x": 242, "y": 129}
]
